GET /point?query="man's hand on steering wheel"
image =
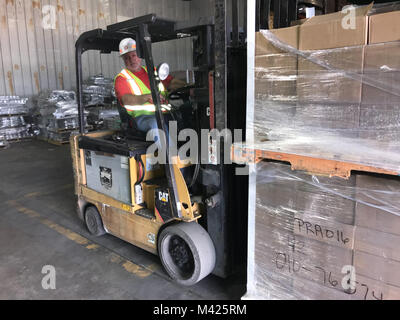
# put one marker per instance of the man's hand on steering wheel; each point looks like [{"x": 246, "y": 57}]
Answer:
[
  {"x": 163, "y": 100},
  {"x": 180, "y": 93}
]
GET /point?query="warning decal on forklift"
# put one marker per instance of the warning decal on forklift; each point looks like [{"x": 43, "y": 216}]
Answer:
[
  {"x": 151, "y": 237},
  {"x": 212, "y": 150},
  {"x": 88, "y": 158},
  {"x": 124, "y": 163},
  {"x": 106, "y": 177}
]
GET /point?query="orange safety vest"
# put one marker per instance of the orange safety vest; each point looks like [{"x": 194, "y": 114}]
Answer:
[{"x": 139, "y": 88}]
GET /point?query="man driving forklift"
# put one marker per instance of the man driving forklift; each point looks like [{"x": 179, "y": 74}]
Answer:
[
  {"x": 132, "y": 88},
  {"x": 153, "y": 207}
]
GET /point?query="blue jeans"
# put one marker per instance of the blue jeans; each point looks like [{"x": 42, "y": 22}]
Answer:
[{"x": 146, "y": 123}]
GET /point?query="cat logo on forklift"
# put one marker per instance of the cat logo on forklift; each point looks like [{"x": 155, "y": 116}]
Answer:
[{"x": 163, "y": 196}]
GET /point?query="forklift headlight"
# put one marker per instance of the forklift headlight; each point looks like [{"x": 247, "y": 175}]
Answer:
[{"x": 163, "y": 71}]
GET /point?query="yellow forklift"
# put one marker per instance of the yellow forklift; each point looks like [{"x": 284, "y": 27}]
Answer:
[{"x": 169, "y": 209}]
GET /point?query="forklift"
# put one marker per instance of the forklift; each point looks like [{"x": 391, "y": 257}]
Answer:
[{"x": 191, "y": 215}]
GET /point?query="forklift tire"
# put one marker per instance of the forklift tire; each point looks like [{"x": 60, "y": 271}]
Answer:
[
  {"x": 186, "y": 252},
  {"x": 93, "y": 221}
]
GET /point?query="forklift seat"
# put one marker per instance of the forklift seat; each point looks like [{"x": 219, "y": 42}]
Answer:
[{"x": 129, "y": 126}]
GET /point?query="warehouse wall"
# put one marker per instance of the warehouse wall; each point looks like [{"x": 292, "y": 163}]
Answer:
[{"x": 37, "y": 39}]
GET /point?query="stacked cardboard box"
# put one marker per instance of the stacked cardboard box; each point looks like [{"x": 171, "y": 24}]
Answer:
[
  {"x": 310, "y": 231},
  {"x": 320, "y": 78},
  {"x": 275, "y": 82},
  {"x": 315, "y": 72},
  {"x": 379, "y": 114}
]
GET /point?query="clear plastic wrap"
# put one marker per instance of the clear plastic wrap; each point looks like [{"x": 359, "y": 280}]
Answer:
[
  {"x": 12, "y": 100},
  {"x": 339, "y": 104},
  {"x": 15, "y": 119},
  {"x": 57, "y": 111},
  {"x": 98, "y": 90},
  {"x": 104, "y": 117},
  {"x": 16, "y": 133},
  {"x": 13, "y": 105},
  {"x": 112, "y": 123},
  {"x": 60, "y": 137},
  {"x": 314, "y": 236},
  {"x": 65, "y": 109},
  {"x": 4, "y": 144},
  {"x": 310, "y": 232},
  {"x": 385, "y": 7},
  {"x": 64, "y": 123}
]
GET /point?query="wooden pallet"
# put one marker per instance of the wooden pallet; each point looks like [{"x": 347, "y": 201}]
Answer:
[
  {"x": 19, "y": 140},
  {"x": 342, "y": 167},
  {"x": 15, "y": 141},
  {"x": 88, "y": 127},
  {"x": 7, "y": 115},
  {"x": 41, "y": 138},
  {"x": 57, "y": 143}
]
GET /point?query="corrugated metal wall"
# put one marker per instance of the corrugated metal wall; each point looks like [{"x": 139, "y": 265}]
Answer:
[{"x": 37, "y": 39}]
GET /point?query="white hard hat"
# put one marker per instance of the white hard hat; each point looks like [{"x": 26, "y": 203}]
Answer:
[{"x": 127, "y": 45}]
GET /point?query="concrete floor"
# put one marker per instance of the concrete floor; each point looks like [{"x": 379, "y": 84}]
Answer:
[{"x": 39, "y": 227}]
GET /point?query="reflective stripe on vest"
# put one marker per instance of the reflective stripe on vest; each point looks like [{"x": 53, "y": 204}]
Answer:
[
  {"x": 139, "y": 88},
  {"x": 148, "y": 107},
  {"x": 132, "y": 83}
]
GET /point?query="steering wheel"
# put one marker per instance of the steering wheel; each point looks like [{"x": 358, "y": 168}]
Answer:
[{"x": 180, "y": 93}]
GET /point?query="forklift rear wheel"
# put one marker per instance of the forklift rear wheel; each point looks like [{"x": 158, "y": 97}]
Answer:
[
  {"x": 186, "y": 252},
  {"x": 93, "y": 221}
]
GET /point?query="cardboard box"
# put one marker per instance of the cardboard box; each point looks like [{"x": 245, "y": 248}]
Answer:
[
  {"x": 378, "y": 203},
  {"x": 286, "y": 253},
  {"x": 365, "y": 289},
  {"x": 384, "y": 27},
  {"x": 331, "y": 85},
  {"x": 381, "y": 244},
  {"x": 281, "y": 254},
  {"x": 290, "y": 266},
  {"x": 287, "y": 35},
  {"x": 275, "y": 70},
  {"x": 307, "y": 229},
  {"x": 275, "y": 81},
  {"x": 340, "y": 119},
  {"x": 334, "y": 30},
  {"x": 382, "y": 72},
  {"x": 286, "y": 193},
  {"x": 379, "y": 111},
  {"x": 389, "y": 136},
  {"x": 384, "y": 270},
  {"x": 369, "y": 289},
  {"x": 332, "y": 49}
]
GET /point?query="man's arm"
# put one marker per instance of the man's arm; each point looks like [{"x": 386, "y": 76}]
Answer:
[
  {"x": 125, "y": 95},
  {"x": 133, "y": 100},
  {"x": 176, "y": 83}
]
